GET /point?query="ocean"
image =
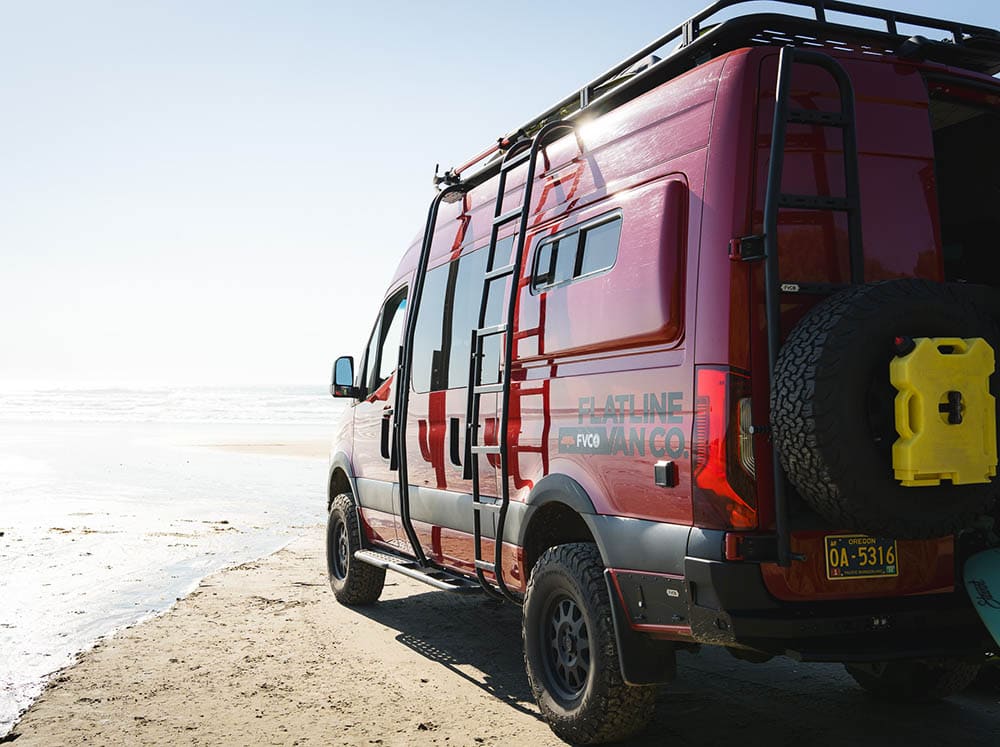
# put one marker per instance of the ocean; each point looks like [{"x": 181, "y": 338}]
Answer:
[{"x": 114, "y": 503}]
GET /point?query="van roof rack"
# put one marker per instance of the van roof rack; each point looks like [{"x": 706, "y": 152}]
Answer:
[{"x": 974, "y": 48}]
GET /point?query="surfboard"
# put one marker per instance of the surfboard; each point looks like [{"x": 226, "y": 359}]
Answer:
[{"x": 982, "y": 581}]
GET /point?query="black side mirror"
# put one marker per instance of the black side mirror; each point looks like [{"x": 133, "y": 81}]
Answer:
[{"x": 343, "y": 378}]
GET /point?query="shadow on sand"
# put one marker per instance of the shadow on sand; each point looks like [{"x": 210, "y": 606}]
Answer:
[{"x": 715, "y": 698}]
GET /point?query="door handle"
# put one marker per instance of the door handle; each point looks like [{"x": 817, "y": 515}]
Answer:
[
  {"x": 456, "y": 452},
  {"x": 386, "y": 431}
]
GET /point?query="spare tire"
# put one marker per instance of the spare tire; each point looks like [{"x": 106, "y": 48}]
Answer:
[{"x": 832, "y": 414}]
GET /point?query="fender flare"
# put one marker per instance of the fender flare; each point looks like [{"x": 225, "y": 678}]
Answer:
[
  {"x": 639, "y": 544},
  {"x": 562, "y": 489},
  {"x": 553, "y": 488},
  {"x": 340, "y": 461},
  {"x": 558, "y": 488}
]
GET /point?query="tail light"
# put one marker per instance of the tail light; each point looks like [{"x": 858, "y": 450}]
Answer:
[{"x": 725, "y": 490}]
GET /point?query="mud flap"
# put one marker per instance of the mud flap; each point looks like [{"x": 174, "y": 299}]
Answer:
[
  {"x": 644, "y": 661},
  {"x": 982, "y": 582}
]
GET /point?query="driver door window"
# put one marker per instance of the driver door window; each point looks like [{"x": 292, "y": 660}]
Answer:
[
  {"x": 382, "y": 355},
  {"x": 388, "y": 356}
]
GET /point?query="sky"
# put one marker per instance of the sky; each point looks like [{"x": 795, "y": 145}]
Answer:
[{"x": 218, "y": 192}]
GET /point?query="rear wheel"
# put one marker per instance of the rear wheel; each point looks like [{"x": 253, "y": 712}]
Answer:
[
  {"x": 571, "y": 654},
  {"x": 353, "y": 582},
  {"x": 914, "y": 681}
]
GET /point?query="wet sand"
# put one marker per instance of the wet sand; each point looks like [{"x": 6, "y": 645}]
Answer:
[
  {"x": 106, "y": 524},
  {"x": 263, "y": 654}
]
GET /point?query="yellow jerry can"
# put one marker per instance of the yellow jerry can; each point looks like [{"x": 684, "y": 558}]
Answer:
[{"x": 945, "y": 414}]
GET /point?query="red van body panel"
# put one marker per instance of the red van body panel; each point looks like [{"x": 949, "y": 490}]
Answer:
[{"x": 612, "y": 359}]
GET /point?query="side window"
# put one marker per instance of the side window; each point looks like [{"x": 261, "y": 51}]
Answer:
[
  {"x": 583, "y": 251},
  {"x": 429, "y": 343},
  {"x": 599, "y": 247},
  {"x": 388, "y": 356},
  {"x": 448, "y": 312},
  {"x": 383, "y": 350},
  {"x": 364, "y": 373}
]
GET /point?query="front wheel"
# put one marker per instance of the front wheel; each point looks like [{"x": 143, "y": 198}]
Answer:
[
  {"x": 353, "y": 582},
  {"x": 914, "y": 681},
  {"x": 571, "y": 654}
]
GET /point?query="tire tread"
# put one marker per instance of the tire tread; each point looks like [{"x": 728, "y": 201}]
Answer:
[
  {"x": 618, "y": 710},
  {"x": 364, "y": 583}
]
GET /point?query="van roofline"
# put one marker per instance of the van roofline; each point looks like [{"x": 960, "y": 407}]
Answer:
[{"x": 970, "y": 47}]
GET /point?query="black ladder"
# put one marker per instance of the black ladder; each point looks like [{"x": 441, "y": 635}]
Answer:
[
  {"x": 524, "y": 151},
  {"x": 452, "y": 191},
  {"x": 776, "y": 200}
]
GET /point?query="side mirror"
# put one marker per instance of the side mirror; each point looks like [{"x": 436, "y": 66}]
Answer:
[{"x": 343, "y": 378}]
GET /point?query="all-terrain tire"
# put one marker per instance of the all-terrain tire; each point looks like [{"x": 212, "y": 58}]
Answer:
[
  {"x": 353, "y": 582},
  {"x": 832, "y": 413},
  {"x": 571, "y": 654},
  {"x": 914, "y": 681}
]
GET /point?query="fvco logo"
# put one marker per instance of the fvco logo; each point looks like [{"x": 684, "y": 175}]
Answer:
[
  {"x": 790, "y": 287},
  {"x": 589, "y": 440}
]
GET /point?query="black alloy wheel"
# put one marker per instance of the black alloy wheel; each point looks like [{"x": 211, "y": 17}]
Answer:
[{"x": 568, "y": 661}]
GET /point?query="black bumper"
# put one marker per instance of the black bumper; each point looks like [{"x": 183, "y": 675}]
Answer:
[{"x": 729, "y": 605}]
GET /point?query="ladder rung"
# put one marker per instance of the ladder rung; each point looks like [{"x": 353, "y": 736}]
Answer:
[
  {"x": 477, "y": 506},
  {"x": 814, "y": 202},
  {"x": 507, "y": 217},
  {"x": 488, "y": 388},
  {"x": 496, "y": 329},
  {"x": 522, "y": 333},
  {"x": 486, "y": 449},
  {"x": 824, "y": 119},
  {"x": 512, "y": 162},
  {"x": 531, "y": 449},
  {"x": 500, "y": 272},
  {"x": 485, "y": 565},
  {"x": 524, "y": 391}
]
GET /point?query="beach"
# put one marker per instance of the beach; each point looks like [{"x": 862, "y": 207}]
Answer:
[
  {"x": 164, "y": 582},
  {"x": 263, "y": 654},
  {"x": 114, "y": 503}
]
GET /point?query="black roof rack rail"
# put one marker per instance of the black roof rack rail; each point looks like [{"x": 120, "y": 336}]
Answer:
[{"x": 975, "y": 48}]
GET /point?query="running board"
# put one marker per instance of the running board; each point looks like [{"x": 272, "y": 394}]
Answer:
[{"x": 436, "y": 577}]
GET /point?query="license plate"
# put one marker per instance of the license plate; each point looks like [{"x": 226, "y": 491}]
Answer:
[{"x": 860, "y": 556}]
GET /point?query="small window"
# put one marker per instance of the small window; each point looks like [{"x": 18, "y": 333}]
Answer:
[
  {"x": 586, "y": 250},
  {"x": 599, "y": 247}
]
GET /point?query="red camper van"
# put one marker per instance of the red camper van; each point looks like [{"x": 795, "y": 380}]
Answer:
[{"x": 703, "y": 354}]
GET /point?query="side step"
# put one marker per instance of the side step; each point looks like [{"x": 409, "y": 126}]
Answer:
[{"x": 436, "y": 577}]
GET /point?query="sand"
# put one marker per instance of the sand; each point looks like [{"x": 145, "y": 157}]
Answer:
[
  {"x": 263, "y": 654},
  {"x": 310, "y": 449}
]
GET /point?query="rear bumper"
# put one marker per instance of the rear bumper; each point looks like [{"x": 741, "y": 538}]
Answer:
[{"x": 727, "y": 604}]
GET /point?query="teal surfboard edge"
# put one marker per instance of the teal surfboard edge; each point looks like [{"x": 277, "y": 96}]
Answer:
[{"x": 982, "y": 582}]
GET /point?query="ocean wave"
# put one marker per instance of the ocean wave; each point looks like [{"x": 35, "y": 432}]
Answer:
[{"x": 304, "y": 405}]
